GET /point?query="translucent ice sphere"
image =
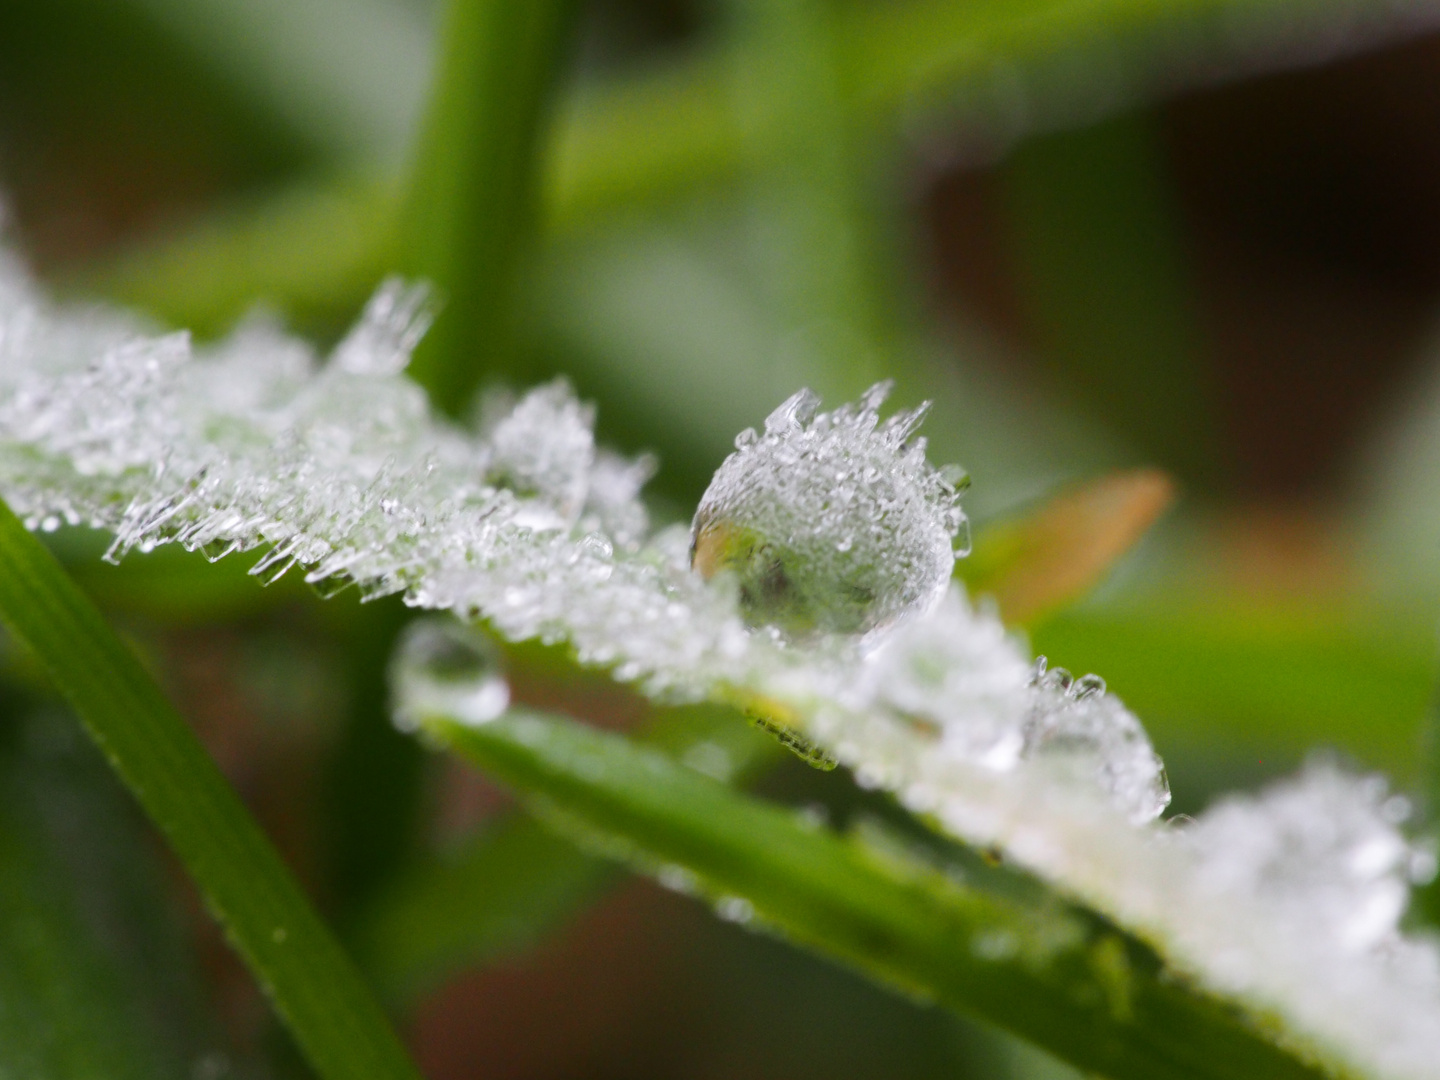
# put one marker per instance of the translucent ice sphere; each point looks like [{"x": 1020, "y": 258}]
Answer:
[{"x": 831, "y": 522}]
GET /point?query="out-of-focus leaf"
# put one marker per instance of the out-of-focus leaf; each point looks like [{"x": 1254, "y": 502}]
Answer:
[
  {"x": 1235, "y": 681},
  {"x": 91, "y": 982},
  {"x": 516, "y": 881},
  {"x": 1067, "y": 981},
  {"x": 296, "y": 959},
  {"x": 991, "y": 71},
  {"x": 350, "y": 75},
  {"x": 1050, "y": 557}
]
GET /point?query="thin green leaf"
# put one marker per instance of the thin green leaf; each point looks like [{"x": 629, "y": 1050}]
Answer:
[
  {"x": 86, "y": 984},
  {"x": 1047, "y": 971},
  {"x": 516, "y": 881},
  {"x": 313, "y": 984},
  {"x": 473, "y": 198}
]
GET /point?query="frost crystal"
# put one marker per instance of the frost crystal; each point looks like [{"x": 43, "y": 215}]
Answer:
[
  {"x": 339, "y": 469},
  {"x": 833, "y": 522}
]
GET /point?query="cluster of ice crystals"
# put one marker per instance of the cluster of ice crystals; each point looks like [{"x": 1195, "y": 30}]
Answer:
[
  {"x": 832, "y": 522},
  {"x": 1322, "y": 871},
  {"x": 1289, "y": 900}
]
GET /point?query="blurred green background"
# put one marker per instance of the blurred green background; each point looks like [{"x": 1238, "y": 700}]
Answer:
[{"x": 1199, "y": 236}]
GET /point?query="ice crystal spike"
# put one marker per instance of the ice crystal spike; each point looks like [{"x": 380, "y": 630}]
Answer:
[
  {"x": 545, "y": 447},
  {"x": 828, "y": 523},
  {"x": 443, "y": 667},
  {"x": 394, "y": 322}
]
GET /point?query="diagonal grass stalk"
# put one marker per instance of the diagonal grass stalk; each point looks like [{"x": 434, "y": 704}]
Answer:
[
  {"x": 1048, "y": 971},
  {"x": 313, "y": 984}
]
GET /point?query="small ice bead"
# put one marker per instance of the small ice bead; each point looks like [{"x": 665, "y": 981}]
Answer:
[
  {"x": 444, "y": 668},
  {"x": 827, "y": 522}
]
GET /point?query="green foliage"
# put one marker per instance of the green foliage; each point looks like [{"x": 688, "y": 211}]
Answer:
[
  {"x": 471, "y": 203},
  {"x": 775, "y": 120},
  {"x": 1047, "y": 971},
  {"x": 292, "y": 953},
  {"x": 92, "y": 983}
]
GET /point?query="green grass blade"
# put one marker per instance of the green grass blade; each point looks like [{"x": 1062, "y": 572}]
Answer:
[
  {"x": 87, "y": 983},
  {"x": 296, "y": 959},
  {"x": 1065, "y": 980},
  {"x": 515, "y": 882},
  {"x": 473, "y": 197},
  {"x": 500, "y": 893}
]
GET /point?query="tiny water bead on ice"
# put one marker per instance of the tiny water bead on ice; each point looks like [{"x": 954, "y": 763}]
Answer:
[
  {"x": 830, "y": 522},
  {"x": 443, "y": 667},
  {"x": 1074, "y": 723}
]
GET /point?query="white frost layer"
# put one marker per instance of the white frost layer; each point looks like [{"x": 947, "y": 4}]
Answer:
[{"x": 1290, "y": 900}]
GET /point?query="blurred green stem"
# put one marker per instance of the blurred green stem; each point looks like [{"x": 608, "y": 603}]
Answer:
[
  {"x": 1072, "y": 983},
  {"x": 791, "y": 105},
  {"x": 472, "y": 204}
]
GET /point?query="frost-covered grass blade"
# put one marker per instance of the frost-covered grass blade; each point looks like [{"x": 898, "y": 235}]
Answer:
[
  {"x": 1066, "y": 980},
  {"x": 340, "y": 472}
]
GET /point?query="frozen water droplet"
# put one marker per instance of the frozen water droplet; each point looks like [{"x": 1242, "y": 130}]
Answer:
[
  {"x": 444, "y": 667},
  {"x": 1057, "y": 679},
  {"x": 1075, "y": 726},
  {"x": 678, "y": 879},
  {"x": 962, "y": 544},
  {"x": 957, "y": 476},
  {"x": 735, "y": 909},
  {"x": 829, "y": 523}
]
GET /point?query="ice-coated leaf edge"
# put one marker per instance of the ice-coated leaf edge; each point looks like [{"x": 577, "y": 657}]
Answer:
[{"x": 1061, "y": 978}]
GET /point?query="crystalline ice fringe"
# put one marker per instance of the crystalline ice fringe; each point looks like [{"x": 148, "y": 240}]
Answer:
[{"x": 1289, "y": 900}]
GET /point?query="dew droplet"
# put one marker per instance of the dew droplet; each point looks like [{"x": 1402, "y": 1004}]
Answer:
[
  {"x": 443, "y": 667},
  {"x": 829, "y": 523},
  {"x": 735, "y": 909}
]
